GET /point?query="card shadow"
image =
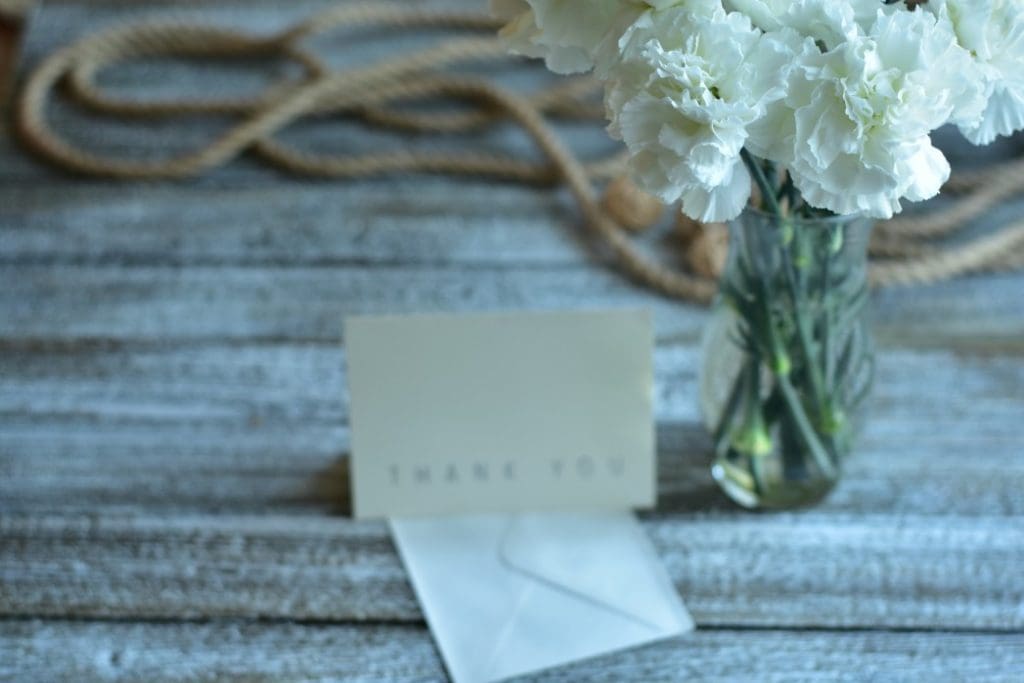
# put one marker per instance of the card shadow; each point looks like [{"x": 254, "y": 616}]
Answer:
[
  {"x": 332, "y": 486},
  {"x": 685, "y": 484}
]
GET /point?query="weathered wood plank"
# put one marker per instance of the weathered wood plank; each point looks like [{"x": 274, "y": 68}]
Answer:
[
  {"x": 212, "y": 303},
  {"x": 404, "y": 221},
  {"x": 813, "y": 569},
  {"x": 239, "y": 651},
  {"x": 206, "y": 303},
  {"x": 170, "y": 448},
  {"x": 264, "y": 428},
  {"x": 394, "y": 221}
]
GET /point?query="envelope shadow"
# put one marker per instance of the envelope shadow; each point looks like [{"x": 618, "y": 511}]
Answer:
[{"x": 684, "y": 470}]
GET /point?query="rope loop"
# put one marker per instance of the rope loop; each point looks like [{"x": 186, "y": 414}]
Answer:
[{"x": 371, "y": 92}]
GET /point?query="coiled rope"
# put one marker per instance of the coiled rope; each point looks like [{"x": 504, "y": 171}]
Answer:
[{"x": 904, "y": 253}]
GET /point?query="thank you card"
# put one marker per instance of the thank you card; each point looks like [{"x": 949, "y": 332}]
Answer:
[{"x": 501, "y": 412}]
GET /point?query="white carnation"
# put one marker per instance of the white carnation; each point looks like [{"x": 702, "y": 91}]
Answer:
[
  {"x": 765, "y": 14},
  {"x": 854, "y": 126},
  {"x": 824, "y": 20},
  {"x": 844, "y": 94},
  {"x": 692, "y": 79},
  {"x": 828, "y": 22},
  {"x": 572, "y": 36},
  {"x": 634, "y": 69},
  {"x": 993, "y": 31}
]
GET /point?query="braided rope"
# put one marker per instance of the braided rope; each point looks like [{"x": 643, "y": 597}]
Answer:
[{"x": 371, "y": 91}]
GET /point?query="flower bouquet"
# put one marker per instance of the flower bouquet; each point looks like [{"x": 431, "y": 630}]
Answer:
[{"x": 800, "y": 122}]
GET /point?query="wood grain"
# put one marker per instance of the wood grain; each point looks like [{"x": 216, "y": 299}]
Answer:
[
  {"x": 401, "y": 221},
  {"x": 254, "y": 428},
  {"x": 403, "y": 654},
  {"x": 200, "y": 481},
  {"x": 173, "y": 416},
  {"x": 816, "y": 569},
  {"x": 212, "y": 303}
]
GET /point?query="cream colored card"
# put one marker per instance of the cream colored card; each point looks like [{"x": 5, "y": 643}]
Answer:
[{"x": 503, "y": 412}]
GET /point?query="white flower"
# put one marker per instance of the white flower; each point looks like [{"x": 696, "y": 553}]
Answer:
[
  {"x": 572, "y": 36},
  {"x": 763, "y": 13},
  {"x": 825, "y": 20},
  {"x": 691, "y": 80},
  {"x": 633, "y": 69},
  {"x": 843, "y": 93},
  {"x": 993, "y": 31},
  {"x": 854, "y": 126}
]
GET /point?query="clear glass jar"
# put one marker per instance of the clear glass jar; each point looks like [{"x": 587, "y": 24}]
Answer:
[{"x": 787, "y": 357}]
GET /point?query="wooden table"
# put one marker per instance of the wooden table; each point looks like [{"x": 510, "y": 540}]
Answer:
[{"x": 173, "y": 428}]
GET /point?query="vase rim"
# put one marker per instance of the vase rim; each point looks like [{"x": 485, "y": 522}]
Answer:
[{"x": 822, "y": 220}]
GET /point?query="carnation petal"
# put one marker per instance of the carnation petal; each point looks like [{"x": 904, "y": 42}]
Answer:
[
  {"x": 1003, "y": 115},
  {"x": 928, "y": 171},
  {"x": 722, "y": 202}
]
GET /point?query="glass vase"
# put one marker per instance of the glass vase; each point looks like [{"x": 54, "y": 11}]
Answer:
[{"x": 788, "y": 358}]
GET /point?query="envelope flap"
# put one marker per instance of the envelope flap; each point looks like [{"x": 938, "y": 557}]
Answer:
[{"x": 605, "y": 558}]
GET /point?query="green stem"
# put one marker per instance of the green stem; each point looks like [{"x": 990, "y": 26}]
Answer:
[
  {"x": 764, "y": 328},
  {"x": 788, "y": 191},
  {"x": 729, "y": 413},
  {"x": 754, "y": 396},
  {"x": 750, "y": 437},
  {"x": 790, "y": 445},
  {"x": 826, "y": 326},
  {"x": 790, "y": 395},
  {"x": 761, "y": 316},
  {"x": 757, "y": 474},
  {"x": 767, "y": 191},
  {"x": 800, "y": 312},
  {"x": 806, "y": 429}
]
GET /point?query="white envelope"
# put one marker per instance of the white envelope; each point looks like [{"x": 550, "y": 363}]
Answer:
[{"x": 510, "y": 594}]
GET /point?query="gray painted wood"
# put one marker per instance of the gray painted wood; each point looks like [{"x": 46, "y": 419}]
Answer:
[
  {"x": 806, "y": 570},
  {"x": 402, "y": 221},
  {"x": 263, "y": 427},
  {"x": 173, "y": 419},
  {"x": 211, "y": 482},
  {"x": 204, "y": 303},
  {"x": 404, "y": 654}
]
